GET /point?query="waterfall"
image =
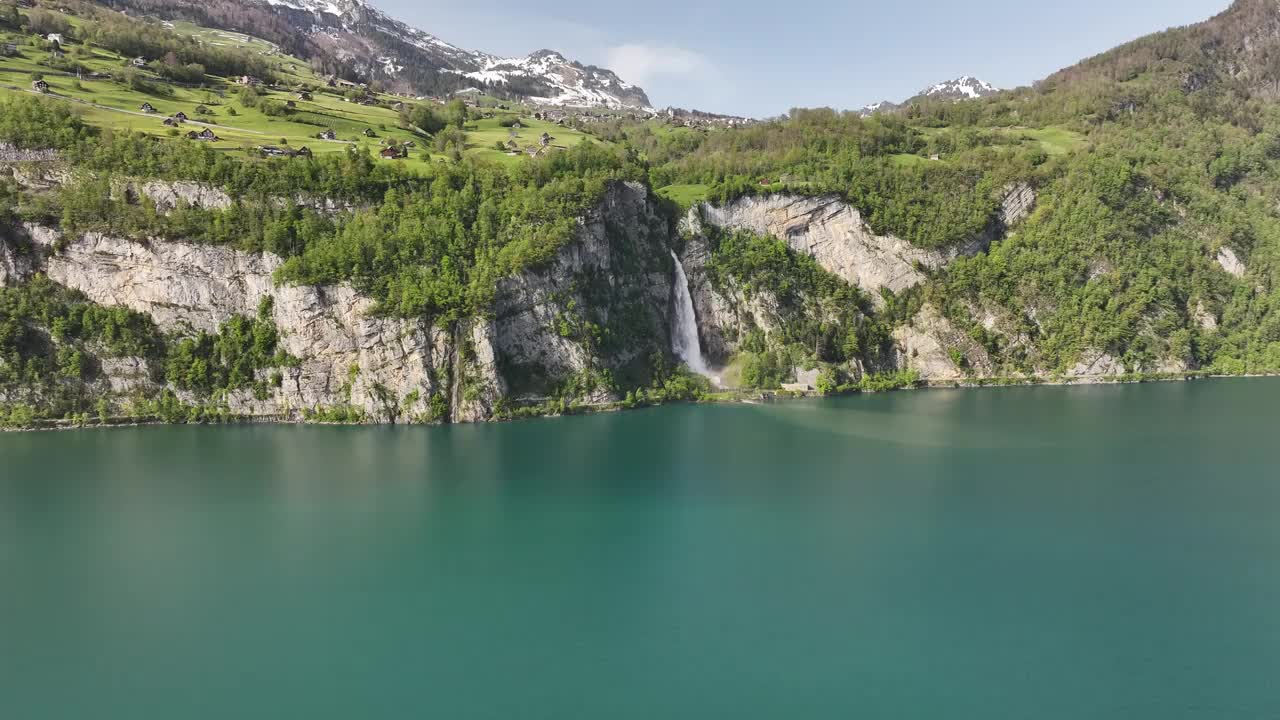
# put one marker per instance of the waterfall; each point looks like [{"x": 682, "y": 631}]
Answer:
[{"x": 684, "y": 326}]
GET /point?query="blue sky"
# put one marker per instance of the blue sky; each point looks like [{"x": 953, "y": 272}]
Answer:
[{"x": 761, "y": 59}]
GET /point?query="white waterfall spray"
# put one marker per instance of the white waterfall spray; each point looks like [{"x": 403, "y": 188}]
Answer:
[{"x": 684, "y": 326}]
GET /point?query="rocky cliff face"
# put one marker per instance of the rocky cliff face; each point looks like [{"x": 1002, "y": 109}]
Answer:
[
  {"x": 725, "y": 314},
  {"x": 602, "y": 304},
  {"x": 834, "y": 234},
  {"x": 931, "y": 345},
  {"x": 388, "y": 368},
  {"x": 15, "y": 262}
]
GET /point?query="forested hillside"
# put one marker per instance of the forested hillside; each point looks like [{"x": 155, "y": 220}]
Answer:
[{"x": 1116, "y": 221}]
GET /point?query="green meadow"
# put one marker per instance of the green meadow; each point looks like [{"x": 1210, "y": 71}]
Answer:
[{"x": 110, "y": 103}]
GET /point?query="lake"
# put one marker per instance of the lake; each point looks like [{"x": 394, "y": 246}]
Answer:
[{"x": 1093, "y": 552}]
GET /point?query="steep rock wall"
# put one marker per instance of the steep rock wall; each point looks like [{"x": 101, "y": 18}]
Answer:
[
  {"x": 603, "y": 303},
  {"x": 834, "y": 234},
  {"x": 389, "y": 368},
  {"x": 15, "y": 262},
  {"x": 725, "y": 314}
]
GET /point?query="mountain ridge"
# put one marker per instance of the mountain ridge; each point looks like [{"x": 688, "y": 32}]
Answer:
[
  {"x": 354, "y": 40},
  {"x": 965, "y": 87}
]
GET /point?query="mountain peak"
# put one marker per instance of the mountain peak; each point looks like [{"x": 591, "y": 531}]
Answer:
[
  {"x": 963, "y": 87},
  {"x": 546, "y": 54}
]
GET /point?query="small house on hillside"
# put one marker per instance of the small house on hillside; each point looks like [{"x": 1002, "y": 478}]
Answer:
[
  {"x": 545, "y": 139},
  {"x": 147, "y": 108},
  {"x": 397, "y": 106},
  {"x": 139, "y": 62},
  {"x": 180, "y": 116},
  {"x": 40, "y": 86},
  {"x": 391, "y": 153},
  {"x": 205, "y": 135},
  {"x": 304, "y": 95},
  {"x": 328, "y": 134},
  {"x": 248, "y": 80},
  {"x": 369, "y": 133},
  {"x": 170, "y": 122},
  {"x": 8, "y": 49},
  {"x": 56, "y": 39},
  {"x": 304, "y": 151}
]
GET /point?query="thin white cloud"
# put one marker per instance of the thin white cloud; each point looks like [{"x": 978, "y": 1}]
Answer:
[{"x": 642, "y": 64}]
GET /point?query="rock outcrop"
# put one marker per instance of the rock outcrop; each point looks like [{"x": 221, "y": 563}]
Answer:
[
  {"x": 931, "y": 345},
  {"x": 835, "y": 234},
  {"x": 602, "y": 303},
  {"x": 169, "y": 194},
  {"x": 726, "y": 314},
  {"x": 348, "y": 355},
  {"x": 1231, "y": 262},
  {"x": 15, "y": 262},
  {"x": 1097, "y": 364},
  {"x": 1019, "y": 201}
]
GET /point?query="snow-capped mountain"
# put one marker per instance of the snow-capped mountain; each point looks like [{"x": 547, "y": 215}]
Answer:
[
  {"x": 568, "y": 82},
  {"x": 354, "y": 40},
  {"x": 962, "y": 88}
]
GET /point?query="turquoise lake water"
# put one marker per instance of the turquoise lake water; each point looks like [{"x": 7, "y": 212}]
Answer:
[{"x": 1098, "y": 552}]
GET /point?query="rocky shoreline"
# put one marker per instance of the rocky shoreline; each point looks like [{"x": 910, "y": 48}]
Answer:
[{"x": 734, "y": 397}]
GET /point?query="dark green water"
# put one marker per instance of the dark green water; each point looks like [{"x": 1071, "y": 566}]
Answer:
[{"x": 1024, "y": 553}]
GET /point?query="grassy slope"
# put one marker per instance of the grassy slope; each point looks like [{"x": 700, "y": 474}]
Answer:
[
  {"x": 685, "y": 195},
  {"x": 109, "y": 104}
]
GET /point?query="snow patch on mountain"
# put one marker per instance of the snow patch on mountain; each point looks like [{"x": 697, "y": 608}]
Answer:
[
  {"x": 961, "y": 88},
  {"x": 966, "y": 87},
  {"x": 545, "y": 76},
  {"x": 570, "y": 83}
]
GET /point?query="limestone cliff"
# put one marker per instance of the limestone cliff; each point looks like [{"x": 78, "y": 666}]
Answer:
[
  {"x": 835, "y": 234},
  {"x": 603, "y": 304},
  {"x": 388, "y": 368},
  {"x": 725, "y": 314}
]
